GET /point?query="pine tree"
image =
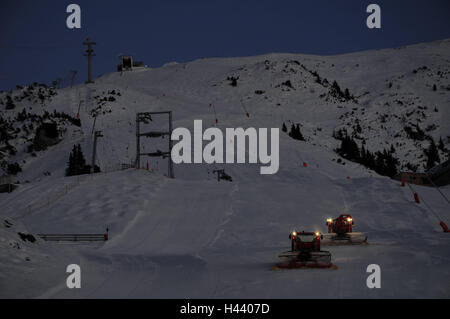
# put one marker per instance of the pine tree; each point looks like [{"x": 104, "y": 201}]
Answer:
[
  {"x": 432, "y": 154},
  {"x": 81, "y": 162},
  {"x": 392, "y": 150},
  {"x": 363, "y": 156},
  {"x": 298, "y": 133},
  {"x": 9, "y": 103},
  {"x": 349, "y": 149},
  {"x": 292, "y": 131},
  {"x": 77, "y": 163},
  {"x": 13, "y": 168},
  {"x": 441, "y": 145},
  {"x": 70, "y": 170},
  {"x": 347, "y": 94},
  {"x": 380, "y": 166},
  {"x": 80, "y": 159},
  {"x": 370, "y": 160},
  {"x": 295, "y": 133},
  {"x": 336, "y": 90},
  {"x": 284, "y": 128},
  {"x": 391, "y": 165},
  {"x": 340, "y": 134},
  {"x": 335, "y": 86}
]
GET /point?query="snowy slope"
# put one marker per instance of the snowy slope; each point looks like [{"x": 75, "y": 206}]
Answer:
[
  {"x": 184, "y": 238},
  {"x": 196, "y": 237},
  {"x": 393, "y": 89}
]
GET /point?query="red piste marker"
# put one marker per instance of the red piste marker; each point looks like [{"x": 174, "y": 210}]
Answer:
[{"x": 416, "y": 198}]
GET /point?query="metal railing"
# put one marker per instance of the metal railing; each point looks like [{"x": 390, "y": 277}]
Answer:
[{"x": 74, "y": 237}]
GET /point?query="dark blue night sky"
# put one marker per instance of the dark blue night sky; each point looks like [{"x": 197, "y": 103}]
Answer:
[{"x": 35, "y": 44}]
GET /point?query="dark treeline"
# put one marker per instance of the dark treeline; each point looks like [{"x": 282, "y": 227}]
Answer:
[
  {"x": 295, "y": 132},
  {"x": 384, "y": 163},
  {"x": 77, "y": 163}
]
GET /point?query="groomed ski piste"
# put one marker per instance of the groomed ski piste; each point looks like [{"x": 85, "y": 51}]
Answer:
[{"x": 195, "y": 237}]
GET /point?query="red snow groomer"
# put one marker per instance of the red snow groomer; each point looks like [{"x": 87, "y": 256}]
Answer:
[
  {"x": 340, "y": 232},
  {"x": 305, "y": 252}
]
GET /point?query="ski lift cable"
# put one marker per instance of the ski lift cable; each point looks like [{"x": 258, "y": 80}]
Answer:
[
  {"x": 214, "y": 109},
  {"x": 242, "y": 104},
  {"x": 37, "y": 47},
  {"x": 244, "y": 108},
  {"x": 102, "y": 147}
]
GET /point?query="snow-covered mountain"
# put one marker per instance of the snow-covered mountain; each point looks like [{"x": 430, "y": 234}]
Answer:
[
  {"x": 396, "y": 97},
  {"x": 196, "y": 237}
]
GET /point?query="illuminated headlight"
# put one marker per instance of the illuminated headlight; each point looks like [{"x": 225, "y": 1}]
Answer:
[
  {"x": 317, "y": 233},
  {"x": 349, "y": 220},
  {"x": 329, "y": 220},
  {"x": 294, "y": 234}
]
